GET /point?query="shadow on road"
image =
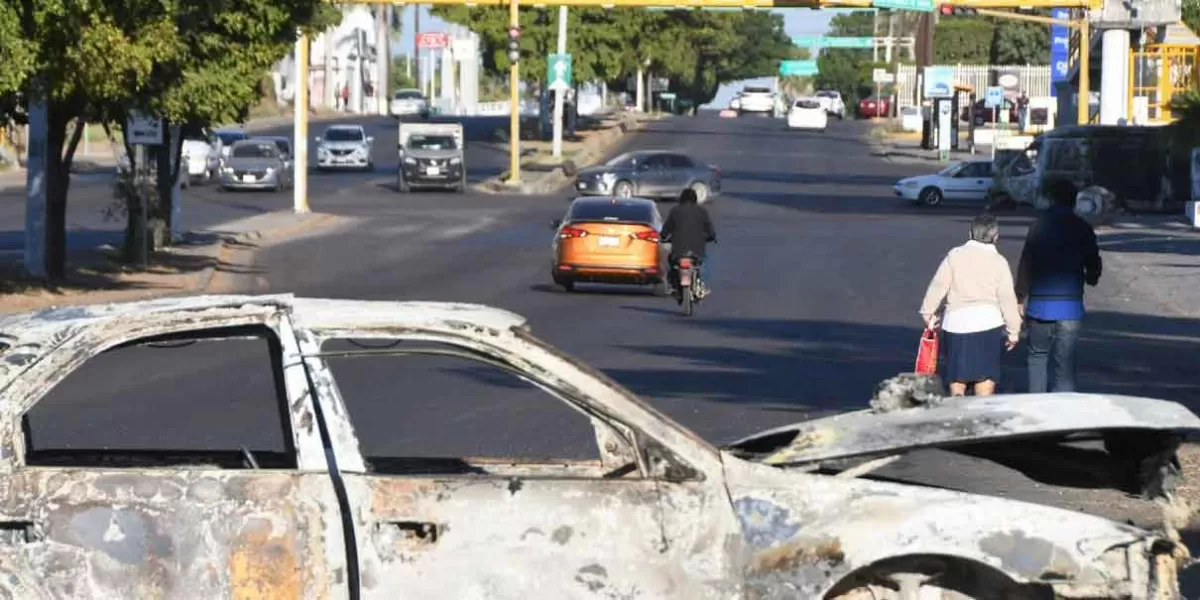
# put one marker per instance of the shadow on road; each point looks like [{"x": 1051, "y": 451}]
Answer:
[{"x": 1150, "y": 243}]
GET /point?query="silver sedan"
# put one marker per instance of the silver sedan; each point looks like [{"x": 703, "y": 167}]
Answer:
[
  {"x": 650, "y": 174},
  {"x": 256, "y": 164}
]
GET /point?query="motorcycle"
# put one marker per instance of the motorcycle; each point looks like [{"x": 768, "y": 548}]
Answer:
[{"x": 688, "y": 288}]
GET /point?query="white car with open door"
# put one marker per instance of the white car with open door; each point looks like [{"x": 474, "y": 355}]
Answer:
[
  {"x": 962, "y": 181},
  {"x": 807, "y": 113}
]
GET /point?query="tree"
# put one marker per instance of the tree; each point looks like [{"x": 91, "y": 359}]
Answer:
[
  {"x": 1191, "y": 15},
  {"x": 1019, "y": 43},
  {"x": 963, "y": 40},
  {"x": 847, "y": 70},
  {"x": 189, "y": 60}
]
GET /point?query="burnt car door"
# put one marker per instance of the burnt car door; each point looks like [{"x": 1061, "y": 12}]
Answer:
[
  {"x": 117, "y": 484},
  {"x": 466, "y": 499}
]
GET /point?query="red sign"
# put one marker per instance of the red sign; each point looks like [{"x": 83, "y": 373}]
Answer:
[{"x": 431, "y": 41}]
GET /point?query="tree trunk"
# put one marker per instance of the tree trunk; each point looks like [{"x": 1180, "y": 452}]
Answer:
[
  {"x": 162, "y": 209},
  {"x": 60, "y": 152}
]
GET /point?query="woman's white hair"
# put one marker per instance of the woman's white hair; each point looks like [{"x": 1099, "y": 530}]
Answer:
[{"x": 985, "y": 228}]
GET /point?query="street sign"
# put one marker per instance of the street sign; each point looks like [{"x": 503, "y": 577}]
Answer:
[
  {"x": 558, "y": 71},
  {"x": 881, "y": 76},
  {"x": 918, "y": 5},
  {"x": 143, "y": 130},
  {"x": 660, "y": 84},
  {"x": 667, "y": 95},
  {"x": 939, "y": 82},
  {"x": 834, "y": 42},
  {"x": 994, "y": 97},
  {"x": 798, "y": 68},
  {"x": 432, "y": 40}
]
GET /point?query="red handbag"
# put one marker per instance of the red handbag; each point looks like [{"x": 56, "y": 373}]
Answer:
[{"x": 927, "y": 353}]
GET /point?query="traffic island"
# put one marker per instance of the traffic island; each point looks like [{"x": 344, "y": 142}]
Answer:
[
  {"x": 544, "y": 174},
  {"x": 216, "y": 260}
]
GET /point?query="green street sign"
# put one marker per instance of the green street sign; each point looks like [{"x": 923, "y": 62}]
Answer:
[
  {"x": 812, "y": 41},
  {"x": 667, "y": 95},
  {"x": 917, "y": 5},
  {"x": 558, "y": 71},
  {"x": 798, "y": 68}
]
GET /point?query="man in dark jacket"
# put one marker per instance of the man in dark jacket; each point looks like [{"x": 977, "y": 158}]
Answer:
[
  {"x": 1059, "y": 257},
  {"x": 689, "y": 229}
]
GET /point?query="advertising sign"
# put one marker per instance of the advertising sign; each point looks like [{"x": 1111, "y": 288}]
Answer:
[
  {"x": 431, "y": 40},
  {"x": 994, "y": 98},
  {"x": 1060, "y": 48},
  {"x": 939, "y": 82}
]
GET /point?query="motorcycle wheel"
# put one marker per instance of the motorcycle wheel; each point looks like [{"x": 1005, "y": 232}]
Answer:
[{"x": 687, "y": 301}]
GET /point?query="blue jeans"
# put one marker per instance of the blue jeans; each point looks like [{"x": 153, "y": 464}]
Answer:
[{"x": 1052, "y": 355}]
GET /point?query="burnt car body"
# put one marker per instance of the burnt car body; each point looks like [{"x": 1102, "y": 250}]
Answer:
[{"x": 657, "y": 512}]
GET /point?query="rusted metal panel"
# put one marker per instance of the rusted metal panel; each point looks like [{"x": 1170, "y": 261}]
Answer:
[
  {"x": 164, "y": 534},
  {"x": 956, "y": 421}
]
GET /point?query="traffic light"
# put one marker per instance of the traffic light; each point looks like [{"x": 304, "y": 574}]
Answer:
[
  {"x": 514, "y": 44},
  {"x": 948, "y": 10}
]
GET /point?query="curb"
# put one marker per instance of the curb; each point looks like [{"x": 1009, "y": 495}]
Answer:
[
  {"x": 203, "y": 280},
  {"x": 555, "y": 179}
]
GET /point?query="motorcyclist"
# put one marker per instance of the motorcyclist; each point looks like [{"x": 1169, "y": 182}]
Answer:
[{"x": 688, "y": 229}]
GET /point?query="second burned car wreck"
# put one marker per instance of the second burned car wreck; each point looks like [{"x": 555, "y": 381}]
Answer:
[{"x": 657, "y": 512}]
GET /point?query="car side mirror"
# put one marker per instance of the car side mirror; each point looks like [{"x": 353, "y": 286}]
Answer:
[
  {"x": 555, "y": 224},
  {"x": 317, "y": 139},
  {"x": 370, "y": 140}
]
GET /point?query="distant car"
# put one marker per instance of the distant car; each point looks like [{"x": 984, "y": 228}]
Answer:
[
  {"x": 345, "y": 146},
  {"x": 201, "y": 157},
  {"x": 409, "y": 103},
  {"x": 874, "y": 107},
  {"x": 983, "y": 114},
  {"x": 255, "y": 164},
  {"x": 608, "y": 240},
  {"x": 831, "y": 101},
  {"x": 967, "y": 180},
  {"x": 806, "y": 113},
  {"x": 650, "y": 174},
  {"x": 756, "y": 100}
]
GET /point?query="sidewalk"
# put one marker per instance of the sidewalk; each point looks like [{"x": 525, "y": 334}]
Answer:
[
  {"x": 905, "y": 149},
  {"x": 219, "y": 259}
]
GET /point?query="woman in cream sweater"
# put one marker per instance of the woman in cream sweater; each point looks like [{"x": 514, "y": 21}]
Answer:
[{"x": 973, "y": 289}]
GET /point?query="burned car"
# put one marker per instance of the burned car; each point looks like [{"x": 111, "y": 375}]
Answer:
[{"x": 654, "y": 511}]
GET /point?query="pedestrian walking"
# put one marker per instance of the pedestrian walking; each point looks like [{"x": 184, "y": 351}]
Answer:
[
  {"x": 1059, "y": 257},
  {"x": 346, "y": 97},
  {"x": 973, "y": 291},
  {"x": 1023, "y": 112}
]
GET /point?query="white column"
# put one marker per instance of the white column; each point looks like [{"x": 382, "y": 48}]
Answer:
[
  {"x": 560, "y": 94},
  {"x": 1114, "y": 76},
  {"x": 640, "y": 89}
]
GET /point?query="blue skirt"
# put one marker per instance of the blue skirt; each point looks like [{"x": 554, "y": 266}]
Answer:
[{"x": 972, "y": 357}]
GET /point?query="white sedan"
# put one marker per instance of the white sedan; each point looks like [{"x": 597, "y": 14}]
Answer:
[
  {"x": 807, "y": 113},
  {"x": 966, "y": 180}
]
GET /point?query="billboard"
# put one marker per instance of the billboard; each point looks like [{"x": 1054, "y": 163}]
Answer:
[{"x": 1060, "y": 48}]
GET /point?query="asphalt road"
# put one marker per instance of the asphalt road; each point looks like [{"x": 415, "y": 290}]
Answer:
[
  {"x": 816, "y": 281},
  {"x": 206, "y": 206}
]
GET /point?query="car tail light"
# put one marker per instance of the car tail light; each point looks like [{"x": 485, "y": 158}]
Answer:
[
  {"x": 645, "y": 236},
  {"x": 571, "y": 232},
  {"x": 685, "y": 263}
]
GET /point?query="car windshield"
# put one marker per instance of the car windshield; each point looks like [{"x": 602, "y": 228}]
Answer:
[
  {"x": 432, "y": 142},
  {"x": 283, "y": 145},
  {"x": 756, "y": 90},
  {"x": 229, "y": 137},
  {"x": 343, "y": 135},
  {"x": 807, "y": 104},
  {"x": 624, "y": 212},
  {"x": 951, "y": 170},
  {"x": 622, "y": 161},
  {"x": 408, "y": 95},
  {"x": 255, "y": 150},
  {"x": 827, "y": 94}
]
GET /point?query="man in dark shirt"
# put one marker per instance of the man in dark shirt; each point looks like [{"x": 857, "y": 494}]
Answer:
[
  {"x": 689, "y": 229},
  {"x": 1059, "y": 257}
]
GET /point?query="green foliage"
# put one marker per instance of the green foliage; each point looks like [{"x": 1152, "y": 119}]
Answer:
[
  {"x": 848, "y": 70},
  {"x": 696, "y": 50},
  {"x": 1191, "y": 14},
  {"x": 963, "y": 40},
  {"x": 1019, "y": 43},
  {"x": 399, "y": 78}
]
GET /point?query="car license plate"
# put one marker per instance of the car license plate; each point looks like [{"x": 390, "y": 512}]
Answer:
[
  {"x": 432, "y": 171},
  {"x": 610, "y": 241},
  {"x": 685, "y": 278},
  {"x": 247, "y": 178}
]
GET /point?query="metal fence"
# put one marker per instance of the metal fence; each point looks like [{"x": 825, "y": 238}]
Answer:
[{"x": 1034, "y": 80}]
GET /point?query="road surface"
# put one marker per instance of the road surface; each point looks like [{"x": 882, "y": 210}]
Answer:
[{"x": 816, "y": 281}]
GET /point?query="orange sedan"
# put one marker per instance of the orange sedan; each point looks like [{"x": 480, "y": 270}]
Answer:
[{"x": 608, "y": 240}]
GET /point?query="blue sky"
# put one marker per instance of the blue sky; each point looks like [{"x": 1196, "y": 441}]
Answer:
[{"x": 796, "y": 22}]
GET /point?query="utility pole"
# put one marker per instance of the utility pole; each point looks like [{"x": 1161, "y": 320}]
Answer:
[
  {"x": 383, "y": 60},
  {"x": 329, "y": 89},
  {"x": 416, "y": 51},
  {"x": 514, "y": 96},
  {"x": 560, "y": 94},
  {"x": 875, "y": 36},
  {"x": 300, "y": 131}
]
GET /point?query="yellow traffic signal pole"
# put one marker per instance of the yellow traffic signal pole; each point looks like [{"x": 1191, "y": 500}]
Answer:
[
  {"x": 514, "y": 99},
  {"x": 300, "y": 128}
]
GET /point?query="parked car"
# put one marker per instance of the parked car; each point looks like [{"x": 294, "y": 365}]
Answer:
[
  {"x": 874, "y": 107},
  {"x": 831, "y": 101},
  {"x": 650, "y": 174},
  {"x": 982, "y": 114},
  {"x": 256, "y": 164},
  {"x": 317, "y": 500},
  {"x": 410, "y": 103},
  {"x": 608, "y": 240},
  {"x": 806, "y": 113},
  {"x": 345, "y": 146},
  {"x": 967, "y": 180}
]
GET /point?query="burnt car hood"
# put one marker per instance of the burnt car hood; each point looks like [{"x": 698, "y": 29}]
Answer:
[{"x": 1029, "y": 432}]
